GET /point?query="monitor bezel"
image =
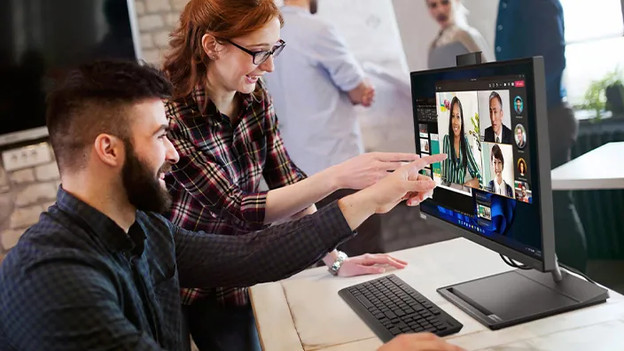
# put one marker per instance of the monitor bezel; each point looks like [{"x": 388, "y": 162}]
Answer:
[{"x": 536, "y": 86}]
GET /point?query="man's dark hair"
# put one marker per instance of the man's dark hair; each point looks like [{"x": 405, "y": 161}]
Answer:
[
  {"x": 517, "y": 99},
  {"x": 497, "y": 154},
  {"x": 495, "y": 95},
  {"x": 93, "y": 99}
]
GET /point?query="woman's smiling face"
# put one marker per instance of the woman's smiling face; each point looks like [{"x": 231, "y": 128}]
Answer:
[{"x": 456, "y": 120}]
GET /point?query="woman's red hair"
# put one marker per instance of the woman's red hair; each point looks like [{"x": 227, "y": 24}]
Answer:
[{"x": 186, "y": 62}]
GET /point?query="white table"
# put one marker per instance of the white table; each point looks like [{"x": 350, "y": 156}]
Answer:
[
  {"x": 601, "y": 168},
  {"x": 305, "y": 312}
]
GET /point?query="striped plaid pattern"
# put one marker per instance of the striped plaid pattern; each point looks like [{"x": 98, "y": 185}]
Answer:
[{"x": 215, "y": 184}]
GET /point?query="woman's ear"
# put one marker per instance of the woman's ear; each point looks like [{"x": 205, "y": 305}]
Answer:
[{"x": 211, "y": 46}]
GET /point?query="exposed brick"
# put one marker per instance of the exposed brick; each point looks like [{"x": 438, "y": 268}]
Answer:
[
  {"x": 26, "y": 175},
  {"x": 146, "y": 41},
  {"x": 139, "y": 7},
  {"x": 161, "y": 39},
  {"x": 47, "y": 172},
  {"x": 10, "y": 237},
  {"x": 44, "y": 206},
  {"x": 172, "y": 19},
  {"x": 178, "y": 5},
  {"x": 6, "y": 206},
  {"x": 157, "y": 6},
  {"x": 152, "y": 56},
  {"x": 25, "y": 217},
  {"x": 35, "y": 193},
  {"x": 150, "y": 22}
]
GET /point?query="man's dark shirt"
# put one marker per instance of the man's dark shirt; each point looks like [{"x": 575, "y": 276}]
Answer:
[{"x": 77, "y": 281}]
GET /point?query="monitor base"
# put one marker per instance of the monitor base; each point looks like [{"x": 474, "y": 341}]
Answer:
[{"x": 519, "y": 296}]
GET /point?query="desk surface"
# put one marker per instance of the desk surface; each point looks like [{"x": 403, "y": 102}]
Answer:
[
  {"x": 601, "y": 168},
  {"x": 305, "y": 312}
]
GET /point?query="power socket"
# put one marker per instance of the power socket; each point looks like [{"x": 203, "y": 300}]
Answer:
[{"x": 26, "y": 156}]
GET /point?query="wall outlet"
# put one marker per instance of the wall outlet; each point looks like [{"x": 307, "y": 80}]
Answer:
[{"x": 26, "y": 156}]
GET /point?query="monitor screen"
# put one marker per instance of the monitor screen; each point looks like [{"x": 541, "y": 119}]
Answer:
[
  {"x": 42, "y": 38},
  {"x": 486, "y": 119}
]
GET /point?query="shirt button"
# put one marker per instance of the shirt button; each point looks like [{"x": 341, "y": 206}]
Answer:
[
  {"x": 504, "y": 4},
  {"x": 499, "y": 27},
  {"x": 498, "y": 49}
]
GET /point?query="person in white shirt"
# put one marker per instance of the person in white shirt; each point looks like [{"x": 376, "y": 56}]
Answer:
[
  {"x": 498, "y": 185},
  {"x": 316, "y": 82}
]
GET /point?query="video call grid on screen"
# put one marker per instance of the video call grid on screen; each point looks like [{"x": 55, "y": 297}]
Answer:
[
  {"x": 475, "y": 98},
  {"x": 478, "y": 207}
]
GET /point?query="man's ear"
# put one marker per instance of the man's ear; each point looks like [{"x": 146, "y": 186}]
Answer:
[
  {"x": 211, "y": 46},
  {"x": 109, "y": 149}
]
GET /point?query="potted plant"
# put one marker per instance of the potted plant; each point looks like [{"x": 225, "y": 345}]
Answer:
[{"x": 605, "y": 94}]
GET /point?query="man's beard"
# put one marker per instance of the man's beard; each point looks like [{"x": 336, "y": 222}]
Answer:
[{"x": 143, "y": 190}]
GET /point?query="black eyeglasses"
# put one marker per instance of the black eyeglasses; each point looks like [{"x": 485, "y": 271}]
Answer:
[{"x": 259, "y": 57}]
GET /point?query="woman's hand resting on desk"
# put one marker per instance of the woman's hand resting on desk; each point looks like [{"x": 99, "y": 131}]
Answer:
[
  {"x": 368, "y": 264},
  {"x": 418, "y": 342}
]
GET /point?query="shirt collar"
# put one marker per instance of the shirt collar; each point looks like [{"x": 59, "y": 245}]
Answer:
[
  {"x": 198, "y": 95},
  {"x": 100, "y": 225}
]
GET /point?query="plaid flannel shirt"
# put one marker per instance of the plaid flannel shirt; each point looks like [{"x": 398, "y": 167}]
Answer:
[{"x": 215, "y": 185}]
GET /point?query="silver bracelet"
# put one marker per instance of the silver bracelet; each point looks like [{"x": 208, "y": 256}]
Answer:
[{"x": 335, "y": 267}]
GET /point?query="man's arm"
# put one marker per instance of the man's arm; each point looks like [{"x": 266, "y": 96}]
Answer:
[
  {"x": 280, "y": 251},
  {"x": 66, "y": 304}
]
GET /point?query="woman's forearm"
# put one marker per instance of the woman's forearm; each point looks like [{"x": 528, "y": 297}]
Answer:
[{"x": 288, "y": 201}]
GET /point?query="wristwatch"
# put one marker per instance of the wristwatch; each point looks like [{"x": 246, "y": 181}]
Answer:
[{"x": 335, "y": 267}]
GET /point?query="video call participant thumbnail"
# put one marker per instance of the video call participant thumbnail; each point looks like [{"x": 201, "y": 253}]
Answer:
[
  {"x": 497, "y": 132},
  {"x": 498, "y": 185},
  {"x": 520, "y": 136},
  {"x": 518, "y": 104}
]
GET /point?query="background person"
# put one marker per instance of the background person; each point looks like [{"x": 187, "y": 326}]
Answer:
[
  {"x": 318, "y": 120},
  {"x": 530, "y": 28},
  {"x": 498, "y": 184},
  {"x": 223, "y": 125},
  {"x": 497, "y": 132},
  {"x": 460, "y": 158},
  {"x": 456, "y": 37},
  {"x": 101, "y": 269}
]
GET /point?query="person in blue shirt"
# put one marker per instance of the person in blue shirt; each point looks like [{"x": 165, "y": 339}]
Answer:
[{"x": 527, "y": 28}]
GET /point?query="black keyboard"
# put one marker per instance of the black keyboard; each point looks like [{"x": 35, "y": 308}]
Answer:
[{"x": 390, "y": 307}]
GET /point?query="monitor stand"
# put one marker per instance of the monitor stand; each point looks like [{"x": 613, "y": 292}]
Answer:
[{"x": 519, "y": 296}]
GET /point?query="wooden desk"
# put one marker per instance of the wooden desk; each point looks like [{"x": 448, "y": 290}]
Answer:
[
  {"x": 601, "y": 168},
  {"x": 305, "y": 312}
]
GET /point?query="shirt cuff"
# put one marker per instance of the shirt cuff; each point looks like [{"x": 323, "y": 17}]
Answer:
[{"x": 333, "y": 228}]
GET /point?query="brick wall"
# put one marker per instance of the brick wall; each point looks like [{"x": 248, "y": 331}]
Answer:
[{"x": 25, "y": 193}]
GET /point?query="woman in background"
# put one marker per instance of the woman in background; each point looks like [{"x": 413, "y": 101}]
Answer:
[
  {"x": 456, "y": 37},
  {"x": 223, "y": 125},
  {"x": 460, "y": 158}
]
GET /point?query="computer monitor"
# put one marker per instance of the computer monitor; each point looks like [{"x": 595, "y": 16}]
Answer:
[{"x": 494, "y": 187}]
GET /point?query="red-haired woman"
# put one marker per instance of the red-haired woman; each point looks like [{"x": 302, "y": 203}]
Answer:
[{"x": 223, "y": 126}]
